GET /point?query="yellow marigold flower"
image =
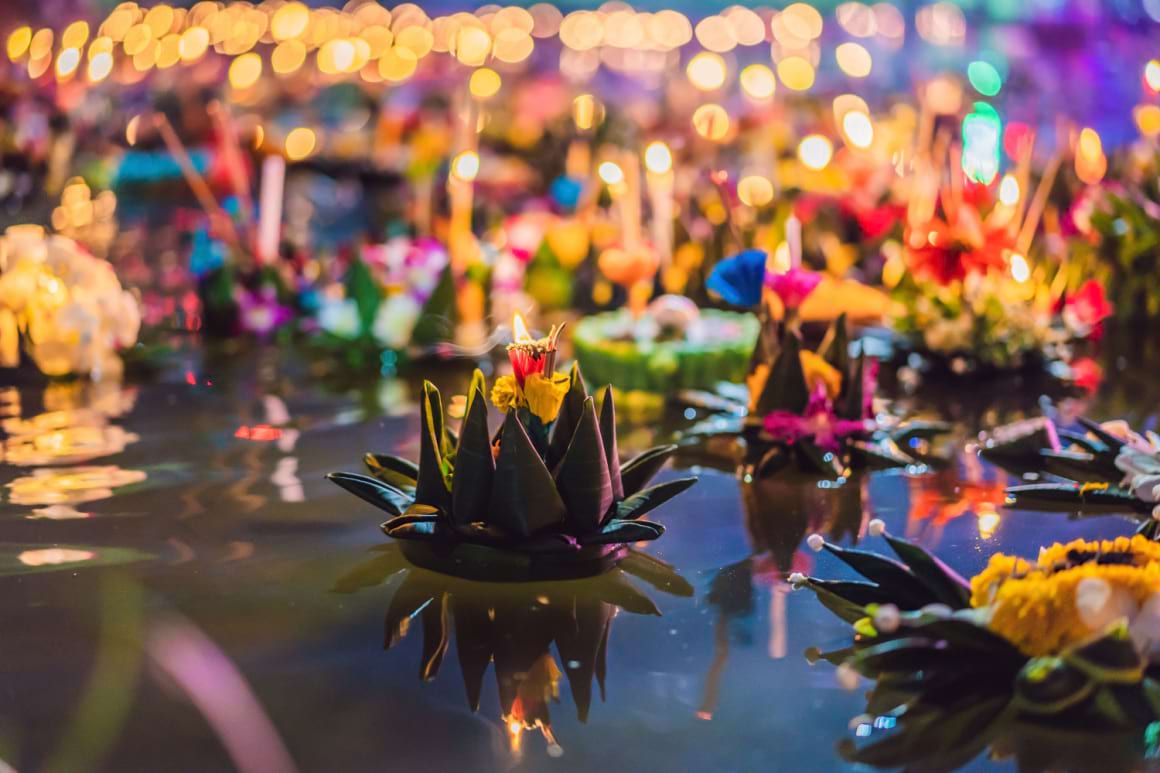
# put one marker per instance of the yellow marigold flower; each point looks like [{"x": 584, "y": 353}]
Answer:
[
  {"x": 1034, "y": 605},
  {"x": 818, "y": 371},
  {"x": 505, "y": 393},
  {"x": 545, "y": 394}
]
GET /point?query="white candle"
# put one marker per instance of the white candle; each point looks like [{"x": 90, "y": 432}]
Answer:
[
  {"x": 270, "y": 207},
  {"x": 793, "y": 237}
]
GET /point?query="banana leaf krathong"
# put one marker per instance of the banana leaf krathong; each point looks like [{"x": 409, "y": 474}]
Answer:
[
  {"x": 536, "y": 501},
  {"x": 810, "y": 410},
  {"x": 516, "y": 627},
  {"x": 1104, "y": 468},
  {"x": 952, "y": 678}
]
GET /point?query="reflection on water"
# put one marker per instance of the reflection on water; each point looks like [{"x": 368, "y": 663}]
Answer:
[
  {"x": 70, "y": 485},
  {"x": 513, "y": 627},
  {"x": 73, "y": 424}
]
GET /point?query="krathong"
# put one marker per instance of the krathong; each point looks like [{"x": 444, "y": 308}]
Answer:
[
  {"x": 815, "y": 408},
  {"x": 1068, "y": 639},
  {"x": 1098, "y": 468},
  {"x": 547, "y": 496}
]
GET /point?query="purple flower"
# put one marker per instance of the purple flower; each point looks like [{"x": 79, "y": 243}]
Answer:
[
  {"x": 793, "y": 286},
  {"x": 260, "y": 312}
]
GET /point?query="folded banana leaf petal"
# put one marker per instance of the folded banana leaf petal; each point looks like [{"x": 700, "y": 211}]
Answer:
[
  {"x": 382, "y": 495},
  {"x": 524, "y": 498},
  {"x": 1019, "y": 443},
  {"x": 907, "y": 590},
  {"x": 847, "y": 600},
  {"x": 430, "y": 531},
  {"x": 583, "y": 478},
  {"x": 945, "y": 583},
  {"x": 1109, "y": 659},
  {"x": 912, "y": 654},
  {"x": 616, "y": 531},
  {"x": 835, "y": 347},
  {"x": 656, "y": 573},
  {"x": 608, "y": 435},
  {"x": 1126, "y": 704},
  {"x": 571, "y": 409},
  {"x": 1076, "y": 494},
  {"x": 921, "y": 430},
  {"x": 1093, "y": 447},
  {"x": 652, "y": 497},
  {"x": 431, "y": 488},
  {"x": 409, "y": 518},
  {"x": 636, "y": 473},
  {"x": 551, "y": 543},
  {"x": 435, "y": 637},
  {"x": 1048, "y": 685},
  {"x": 399, "y": 472},
  {"x": 852, "y": 405},
  {"x": 1113, "y": 443},
  {"x": 964, "y": 634},
  {"x": 707, "y": 401},
  {"x": 785, "y": 389},
  {"x": 1081, "y": 467},
  {"x": 474, "y": 464}
]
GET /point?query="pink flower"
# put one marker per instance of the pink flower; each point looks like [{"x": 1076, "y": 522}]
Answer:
[
  {"x": 1087, "y": 307},
  {"x": 819, "y": 423},
  {"x": 794, "y": 286}
]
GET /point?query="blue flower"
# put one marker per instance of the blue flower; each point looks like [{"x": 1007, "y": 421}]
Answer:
[
  {"x": 566, "y": 192},
  {"x": 739, "y": 279}
]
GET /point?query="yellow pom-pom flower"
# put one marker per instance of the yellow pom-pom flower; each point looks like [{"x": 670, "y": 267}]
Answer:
[
  {"x": 545, "y": 394},
  {"x": 505, "y": 393}
]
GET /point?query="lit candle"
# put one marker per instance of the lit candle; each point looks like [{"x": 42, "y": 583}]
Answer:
[
  {"x": 658, "y": 160},
  {"x": 532, "y": 355},
  {"x": 270, "y": 207}
]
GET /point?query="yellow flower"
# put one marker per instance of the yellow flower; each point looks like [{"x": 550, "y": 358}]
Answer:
[
  {"x": 818, "y": 371},
  {"x": 505, "y": 393},
  {"x": 1034, "y": 605},
  {"x": 545, "y": 394}
]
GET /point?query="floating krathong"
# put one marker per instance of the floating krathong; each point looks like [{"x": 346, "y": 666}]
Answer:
[
  {"x": 812, "y": 408},
  {"x": 546, "y": 496},
  {"x": 1105, "y": 467},
  {"x": 1067, "y": 640},
  {"x": 514, "y": 627}
]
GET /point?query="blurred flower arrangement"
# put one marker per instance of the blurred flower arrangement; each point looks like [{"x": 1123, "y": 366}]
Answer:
[
  {"x": 967, "y": 292},
  {"x": 61, "y": 308},
  {"x": 1070, "y": 638}
]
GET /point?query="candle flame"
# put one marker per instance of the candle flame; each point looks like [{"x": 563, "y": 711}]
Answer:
[{"x": 520, "y": 334}]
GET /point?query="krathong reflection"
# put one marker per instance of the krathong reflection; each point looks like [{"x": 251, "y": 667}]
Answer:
[
  {"x": 75, "y": 427},
  {"x": 70, "y": 485},
  {"x": 514, "y": 627}
]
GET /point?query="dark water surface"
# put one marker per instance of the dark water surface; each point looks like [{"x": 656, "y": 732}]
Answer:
[{"x": 180, "y": 589}]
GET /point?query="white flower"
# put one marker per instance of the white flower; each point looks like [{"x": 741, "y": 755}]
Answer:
[
  {"x": 395, "y": 320},
  {"x": 339, "y": 317}
]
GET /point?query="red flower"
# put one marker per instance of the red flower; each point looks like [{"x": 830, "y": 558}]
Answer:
[
  {"x": 960, "y": 246},
  {"x": 1088, "y": 307},
  {"x": 878, "y": 221},
  {"x": 1087, "y": 374}
]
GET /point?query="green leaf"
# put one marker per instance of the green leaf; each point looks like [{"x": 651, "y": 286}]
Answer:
[
  {"x": 474, "y": 629},
  {"x": 382, "y": 495},
  {"x": 1111, "y": 658},
  {"x": 835, "y": 347},
  {"x": 431, "y": 488},
  {"x": 1047, "y": 685},
  {"x": 852, "y": 403},
  {"x": 785, "y": 389},
  {"x": 608, "y": 436},
  {"x": 364, "y": 290},
  {"x": 895, "y": 578},
  {"x": 940, "y": 579},
  {"x": 582, "y": 477},
  {"x": 399, "y": 472},
  {"x": 656, "y": 573},
  {"x": 571, "y": 409},
  {"x": 652, "y": 497},
  {"x": 624, "y": 531},
  {"x": 636, "y": 474},
  {"x": 579, "y": 645},
  {"x": 524, "y": 498},
  {"x": 435, "y": 638},
  {"x": 474, "y": 464}
]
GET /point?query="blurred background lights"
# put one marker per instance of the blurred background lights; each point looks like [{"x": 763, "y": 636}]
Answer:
[
  {"x": 658, "y": 158},
  {"x": 757, "y": 82},
  {"x": 484, "y": 83},
  {"x": 610, "y": 173},
  {"x": 711, "y": 122},
  {"x": 815, "y": 151},
  {"x": 706, "y": 71},
  {"x": 984, "y": 78},
  {"x": 245, "y": 71},
  {"x": 796, "y": 73},
  {"x": 1152, "y": 74},
  {"x": 853, "y": 59},
  {"x": 858, "y": 129},
  {"x": 300, "y": 143},
  {"x": 1009, "y": 190},
  {"x": 755, "y": 190},
  {"x": 465, "y": 166},
  {"x": 982, "y": 135}
]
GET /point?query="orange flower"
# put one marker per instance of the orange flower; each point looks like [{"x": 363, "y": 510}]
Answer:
[{"x": 962, "y": 245}]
